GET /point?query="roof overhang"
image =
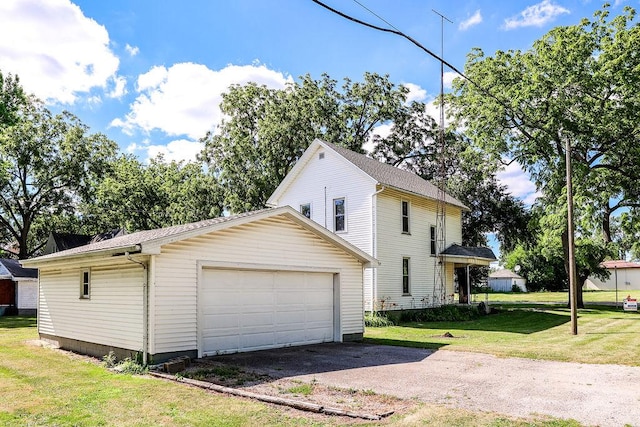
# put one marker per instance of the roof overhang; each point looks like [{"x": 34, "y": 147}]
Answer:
[{"x": 467, "y": 260}]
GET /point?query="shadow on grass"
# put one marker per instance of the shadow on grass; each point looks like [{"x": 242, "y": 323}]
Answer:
[
  {"x": 12, "y": 322},
  {"x": 513, "y": 321}
]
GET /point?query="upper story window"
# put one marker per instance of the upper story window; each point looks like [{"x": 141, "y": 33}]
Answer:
[
  {"x": 405, "y": 216},
  {"x": 405, "y": 276},
  {"x": 339, "y": 214},
  {"x": 432, "y": 236},
  {"x": 305, "y": 209},
  {"x": 85, "y": 284}
]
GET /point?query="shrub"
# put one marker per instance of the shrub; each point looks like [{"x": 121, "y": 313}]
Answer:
[
  {"x": 444, "y": 313},
  {"x": 126, "y": 365},
  {"x": 377, "y": 320},
  {"x": 515, "y": 288}
]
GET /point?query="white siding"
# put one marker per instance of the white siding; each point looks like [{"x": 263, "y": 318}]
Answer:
[
  {"x": 323, "y": 180},
  {"x": 113, "y": 314},
  {"x": 27, "y": 294},
  {"x": 393, "y": 245},
  {"x": 275, "y": 242},
  {"x": 628, "y": 280}
]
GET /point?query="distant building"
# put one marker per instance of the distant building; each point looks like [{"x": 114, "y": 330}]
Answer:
[
  {"x": 18, "y": 288},
  {"x": 625, "y": 274},
  {"x": 504, "y": 280}
]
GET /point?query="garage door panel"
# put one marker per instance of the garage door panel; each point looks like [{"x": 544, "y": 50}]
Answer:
[{"x": 246, "y": 310}]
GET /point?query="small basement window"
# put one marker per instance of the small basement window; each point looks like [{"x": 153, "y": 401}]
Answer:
[{"x": 85, "y": 284}]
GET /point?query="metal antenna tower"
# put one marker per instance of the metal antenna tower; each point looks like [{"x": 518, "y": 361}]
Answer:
[{"x": 440, "y": 278}]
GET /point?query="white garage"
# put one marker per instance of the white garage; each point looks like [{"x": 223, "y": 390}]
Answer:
[
  {"x": 245, "y": 310},
  {"x": 264, "y": 279}
]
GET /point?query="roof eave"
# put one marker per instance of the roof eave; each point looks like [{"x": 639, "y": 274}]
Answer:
[{"x": 99, "y": 253}]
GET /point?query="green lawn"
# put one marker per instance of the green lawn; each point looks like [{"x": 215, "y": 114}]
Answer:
[
  {"x": 557, "y": 297},
  {"x": 542, "y": 331},
  {"x": 43, "y": 387}
]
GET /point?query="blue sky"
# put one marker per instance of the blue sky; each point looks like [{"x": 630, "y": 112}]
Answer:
[{"x": 150, "y": 74}]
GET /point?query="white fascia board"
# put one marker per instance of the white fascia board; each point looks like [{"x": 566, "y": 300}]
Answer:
[{"x": 40, "y": 262}]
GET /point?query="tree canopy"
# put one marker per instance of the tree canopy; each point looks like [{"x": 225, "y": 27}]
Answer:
[{"x": 577, "y": 84}]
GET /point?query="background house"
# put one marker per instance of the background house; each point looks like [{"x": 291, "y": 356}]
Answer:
[
  {"x": 623, "y": 274},
  {"x": 264, "y": 279},
  {"x": 387, "y": 212},
  {"x": 504, "y": 280},
  {"x": 18, "y": 288}
]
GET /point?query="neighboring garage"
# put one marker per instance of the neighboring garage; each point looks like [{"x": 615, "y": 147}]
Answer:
[{"x": 264, "y": 279}]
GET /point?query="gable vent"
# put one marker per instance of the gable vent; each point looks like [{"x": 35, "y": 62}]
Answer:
[{"x": 321, "y": 155}]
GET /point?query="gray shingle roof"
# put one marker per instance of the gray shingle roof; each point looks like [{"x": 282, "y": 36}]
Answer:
[
  {"x": 392, "y": 176},
  {"x": 18, "y": 271},
  {"x": 141, "y": 237},
  {"x": 504, "y": 274},
  {"x": 469, "y": 251}
]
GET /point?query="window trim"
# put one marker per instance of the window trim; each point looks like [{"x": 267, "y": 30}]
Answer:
[
  {"x": 406, "y": 203},
  {"x": 344, "y": 215},
  {"x": 433, "y": 240},
  {"x": 85, "y": 283},
  {"x": 406, "y": 276},
  {"x": 310, "y": 210}
]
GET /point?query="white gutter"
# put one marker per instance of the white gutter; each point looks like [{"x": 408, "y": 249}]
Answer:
[{"x": 374, "y": 246}]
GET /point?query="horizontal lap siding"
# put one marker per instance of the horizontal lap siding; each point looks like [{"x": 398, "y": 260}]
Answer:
[
  {"x": 393, "y": 245},
  {"x": 113, "y": 314},
  {"x": 269, "y": 242}
]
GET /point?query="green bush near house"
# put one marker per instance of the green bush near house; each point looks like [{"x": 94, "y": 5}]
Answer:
[{"x": 445, "y": 313}]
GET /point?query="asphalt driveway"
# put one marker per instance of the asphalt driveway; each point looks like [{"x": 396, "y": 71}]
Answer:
[{"x": 604, "y": 395}]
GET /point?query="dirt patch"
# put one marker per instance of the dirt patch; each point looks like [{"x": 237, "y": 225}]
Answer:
[{"x": 346, "y": 399}]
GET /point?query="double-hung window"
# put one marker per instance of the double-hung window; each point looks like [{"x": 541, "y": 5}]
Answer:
[
  {"x": 405, "y": 217},
  {"x": 405, "y": 276},
  {"x": 432, "y": 235},
  {"x": 85, "y": 284},
  {"x": 339, "y": 214}
]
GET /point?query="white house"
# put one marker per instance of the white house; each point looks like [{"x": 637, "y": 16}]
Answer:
[
  {"x": 623, "y": 275},
  {"x": 390, "y": 214},
  {"x": 504, "y": 280},
  {"x": 18, "y": 287},
  {"x": 258, "y": 280}
]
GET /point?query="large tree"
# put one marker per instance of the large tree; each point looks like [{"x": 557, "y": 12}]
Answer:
[
  {"x": 47, "y": 164},
  {"x": 137, "y": 196},
  {"x": 577, "y": 84},
  {"x": 267, "y": 130}
]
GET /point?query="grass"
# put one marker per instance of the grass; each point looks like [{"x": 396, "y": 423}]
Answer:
[
  {"x": 605, "y": 334},
  {"x": 552, "y": 297},
  {"x": 40, "y": 386}
]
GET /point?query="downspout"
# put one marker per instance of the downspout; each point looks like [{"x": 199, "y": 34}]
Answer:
[
  {"x": 145, "y": 309},
  {"x": 374, "y": 246},
  {"x": 325, "y": 207}
]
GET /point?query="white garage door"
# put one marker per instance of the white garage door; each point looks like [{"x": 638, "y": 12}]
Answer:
[{"x": 245, "y": 310}]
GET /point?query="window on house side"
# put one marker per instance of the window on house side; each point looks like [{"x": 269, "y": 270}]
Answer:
[
  {"x": 85, "y": 284},
  {"x": 405, "y": 276},
  {"x": 405, "y": 217},
  {"x": 433, "y": 239},
  {"x": 305, "y": 209},
  {"x": 339, "y": 215}
]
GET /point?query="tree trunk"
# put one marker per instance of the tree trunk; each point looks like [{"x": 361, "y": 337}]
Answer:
[{"x": 606, "y": 225}]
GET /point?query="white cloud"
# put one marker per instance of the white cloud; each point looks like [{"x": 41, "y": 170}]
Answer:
[
  {"x": 535, "y": 16},
  {"x": 55, "y": 50},
  {"x": 184, "y": 99},
  {"x": 177, "y": 150},
  {"x": 132, "y": 50},
  {"x": 120, "y": 87},
  {"x": 518, "y": 183},
  {"x": 416, "y": 93},
  {"x": 473, "y": 20},
  {"x": 448, "y": 78}
]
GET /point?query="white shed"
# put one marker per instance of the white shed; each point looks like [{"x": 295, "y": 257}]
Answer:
[
  {"x": 504, "y": 280},
  {"x": 263, "y": 279},
  {"x": 623, "y": 275}
]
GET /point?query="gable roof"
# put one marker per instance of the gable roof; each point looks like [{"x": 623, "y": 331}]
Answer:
[
  {"x": 383, "y": 173},
  {"x": 150, "y": 241},
  {"x": 505, "y": 273},
  {"x": 16, "y": 271}
]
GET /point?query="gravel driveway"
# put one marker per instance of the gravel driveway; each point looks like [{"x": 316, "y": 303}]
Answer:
[{"x": 604, "y": 395}]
